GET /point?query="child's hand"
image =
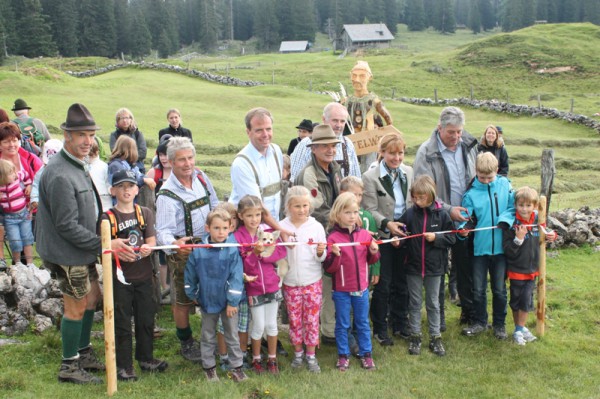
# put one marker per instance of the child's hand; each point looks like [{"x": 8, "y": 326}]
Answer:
[
  {"x": 33, "y": 206},
  {"x": 321, "y": 248},
  {"x": 520, "y": 231},
  {"x": 249, "y": 279},
  {"x": 551, "y": 235},
  {"x": 373, "y": 248},
  {"x": 336, "y": 250},
  {"x": 258, "y": 248},
  {"x": 150, "y": 183},
  {"x": 231, "y": 311},
  {"x": 374, "y": 280},
  {"x": 27, "y": 190},
  {"x": 145, "y": 250},
  {"x": 463, "y": 233},
  {"x": 395, "y": 242},
  {"x": 429, "y": 237}
]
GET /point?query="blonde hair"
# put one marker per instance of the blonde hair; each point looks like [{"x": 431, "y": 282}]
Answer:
[
  {"x": 486, "y": 163},
  {"x": 6, "y": 168},
  {"x": 343, "y": 201},
  {"x": 351, "y": 181},
  {"x": 173, "y": 111},
  {"x": 296, "y": 192},
  {"x": 250, "y": 202},
  {"x": 287, "y": 162},
  {"x": 218, "y": 213},
  {"x": 125, "y": 112},
  {"x": 125, "y": 148},
  {"x": 390, "y": 142},
  {"x": 227, "y": 207},
  {"x": 94, "y": 149},
  {"x": 423, "y": 185},
  {"x": 527, "y": 194}
]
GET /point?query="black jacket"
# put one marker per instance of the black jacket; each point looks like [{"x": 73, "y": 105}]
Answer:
[
  {"x": 179, "y": 132},
  {"x": 522, "y": 258}
]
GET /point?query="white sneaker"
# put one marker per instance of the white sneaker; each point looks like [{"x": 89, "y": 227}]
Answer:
[
  {"x": 19, "y": 264},
  {"x": 528, "y": 336},
  {"x": 518, "y": 338}
]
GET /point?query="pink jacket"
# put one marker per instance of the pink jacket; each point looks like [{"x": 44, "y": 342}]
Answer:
[
  {"x": 350, "y": 270},
  {"x": 268, "y": 280}
]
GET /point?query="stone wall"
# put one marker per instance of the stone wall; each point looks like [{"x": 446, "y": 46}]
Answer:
[{"x": 575, "y": 227}]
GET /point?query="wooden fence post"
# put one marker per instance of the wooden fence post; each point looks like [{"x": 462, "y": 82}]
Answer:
[
  {"x": 471, "y": 92},
  {"x": 572, "y": 104},
  {"x": 539, "y": 98},
  {"x": 435, "y": 95},
  {"x": 541, "y": 287},
  {"x": 109, "y": 311},
  {"x": 548, "y": 172}
]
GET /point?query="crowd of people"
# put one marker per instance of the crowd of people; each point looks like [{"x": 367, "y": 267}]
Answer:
[{"x": 354, "y": 248}]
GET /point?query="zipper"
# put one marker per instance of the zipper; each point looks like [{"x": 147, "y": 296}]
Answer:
[
  {"x": 489, "y": 189},
  {"x": 423, "y": 243}
]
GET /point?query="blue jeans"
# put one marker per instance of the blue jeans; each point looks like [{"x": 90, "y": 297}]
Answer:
[
  {"x": 18, "y": 230},
  {"x": 360, "y": 306},
  {"x": 496, "y": 266}
]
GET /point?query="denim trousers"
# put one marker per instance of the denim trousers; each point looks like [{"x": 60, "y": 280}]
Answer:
[
  {"x": 415, "y": 301},
  {"x": 344, "y": 302},
  {"x": 495, "y": 265},
  {"x": 18, "y": 230}
]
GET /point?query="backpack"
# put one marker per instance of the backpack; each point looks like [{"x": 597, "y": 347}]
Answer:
[
  {"x": 113, "y": 220},
  {"x": 31, "y": 138}
]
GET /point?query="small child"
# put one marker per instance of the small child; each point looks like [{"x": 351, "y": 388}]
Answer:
[
  {"x": 213, "y": 278},
  {"x": 305, "y": 129},
  {"x": 285, "y": 184},
  {"x": 262, "y": 287},
  {"x": 487, "y": 198},
  {"x": 302, "y": 285},
  {"x": 99, "y": 174},
  {"x": 133, "y": 290},
  {"x": 425, "y": 265},
  {"x": 15, "y": 188},
  {"x": 520, "y": 240},
  {"x": 350, "y": 279}
]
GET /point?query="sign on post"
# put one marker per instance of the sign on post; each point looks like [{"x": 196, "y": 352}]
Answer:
[{"x": 368, "y": 141}]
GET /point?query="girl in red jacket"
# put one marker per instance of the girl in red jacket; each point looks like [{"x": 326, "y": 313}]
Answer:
[{"x": 349, "y": 266}]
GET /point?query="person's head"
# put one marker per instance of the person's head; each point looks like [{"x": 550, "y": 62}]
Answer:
[
  {"x": 422, "y": 191},
  {"x": 486, "y": 167},
  {"x": 126, "y": 149},
  {"x": 218, "y": 223},
  {"x": 335, "y": 115},
  {"x": 10, "y": 139},
  {"x": 4, "y": 116},
  {"x": 450, "y": 126},
  {"x": 287, "y": 167},
  {"x": 259, "y": 127},
  {"x": 490, "y": 136},
  {"x": 94, "y": 150},
  {"x": 232, "y": 210},
  {"x": 124, "y": 187},
  {"x": 53, "y": 147},
  {"x": 323, "y": 145},
  {"x": 161, "y": 153},
  {"x": 391, "y": 150},
  {"x": 8, "y": 172},
  {"x": 250, "y": 212},
  {"x": 79, "y": 131},
  {"x": 344, "y": 211},
  {"x": 124, "y": 120},
  {"x": 174, "y": 118},
  {"x": 354, "y": 185},
  {"x": 298, "y": 203},
  {"x": 526, "y": 201},
  {"x": 360, "y": 75},
  {"x": 181, "y": 153},
  {"x": 305, "y": 128},
  {"x": 20, "y": 107}
]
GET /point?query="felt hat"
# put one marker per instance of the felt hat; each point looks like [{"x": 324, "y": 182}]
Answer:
[
  {"x": 306, "y": 124},
  {"x": 499, "y": 129},
  {"x": 323, "y": 134},
  {"x": 79, "y": 119},
  {"x": 20, "y": 104},
  {"x": 51, "y": 148},
  {"x": 123, "y": 176}
]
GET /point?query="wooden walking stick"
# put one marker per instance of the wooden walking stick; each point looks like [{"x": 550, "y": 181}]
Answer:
[
  {"x": 109, "y": 311},
  {"x": 541, "y": 287}
]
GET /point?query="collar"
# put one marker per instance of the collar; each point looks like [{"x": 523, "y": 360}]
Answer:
[
  {"x": 441, "y": 145},
  {"x": 529, "y": 222},
  {"x": 81, "y": 164},
  {"x": 385, "y": 170}
]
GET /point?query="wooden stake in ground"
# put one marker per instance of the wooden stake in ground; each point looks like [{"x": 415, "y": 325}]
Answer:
[
  {"x": 109, "y": 312},
  {"x": 541, "y": 288}
]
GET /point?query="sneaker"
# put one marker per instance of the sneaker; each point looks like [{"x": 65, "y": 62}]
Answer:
[
  {"x": 518, "y": 338},
  {"x": 190, "y": 350},
  {"x": 529, "y": 337},
  {"x": 71, "y": 372},
  {"x": 327, "y": 340},
  {"x": 225, "y": 364},
  {"x": 414, "y": 345},
  {"x": 383, "y": 339},
  {"x": 154, "y": 365},
  {"x": 211, "y": 374},
  {"x": 280, "y": 349},
  {"x": 343, "y": 363},
  {"x": 297, "y": 362},
  {"x": 257, "y": 367},
  {"x": 272, "y": 366},
  {"x": 89, "y": 361},
  {"x": 313, "y": 365},
  {"x": 500, "y": 332},
  {"x": 437, "y": 346},
  {"x": 367, "y": 362},
  {"x": 238, "y": 375},
  {"x": 127, "y": 374},
  {"x": 3, "y": 266},
  {"x": 473, "y": 330}
]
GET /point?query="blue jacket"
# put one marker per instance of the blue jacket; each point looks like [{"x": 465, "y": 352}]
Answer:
[
  {"x": 485, "y": 203},
  {"x": 214, "y": 277}
]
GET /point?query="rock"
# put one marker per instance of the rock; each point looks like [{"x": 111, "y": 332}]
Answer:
[
  {"x": 555, "y": 224},
  {"x": 578, "y": 233},
  {"x": 5, "y": 283},
  {"x": 51, "y": 307},
  {"x": 12, "y": 323},
  {"x": 41, "y": 323}
]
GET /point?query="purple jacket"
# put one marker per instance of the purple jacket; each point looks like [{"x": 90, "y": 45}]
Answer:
[
  {"x": 350, "y": 270},
  {"x": 268, "y": 280}
]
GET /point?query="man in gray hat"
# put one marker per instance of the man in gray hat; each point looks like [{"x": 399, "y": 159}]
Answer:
[
  {"x": 30, "y": 127},
  {"x": 67, "y": 220}
]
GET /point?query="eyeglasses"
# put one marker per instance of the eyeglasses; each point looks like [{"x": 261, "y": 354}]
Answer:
[{"x": 124, "y": 117}]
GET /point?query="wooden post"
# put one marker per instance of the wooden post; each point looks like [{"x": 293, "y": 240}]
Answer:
[
  {"x": 435, "y": 95},
  {"x": 541, "y": 287},
  {"x": 548, "y": 172},
  {"x": 539, "y": 98},
  {"x": 310, "y": 85},
  {"x": 471, "y": 92},
  {"x": 393, "y": 92},
  {"x": 109, "y": 312},
  {"x": 273, "y": 76},
  {"x": 507, "y": 97},
  {"x": 572, "y": 104}
]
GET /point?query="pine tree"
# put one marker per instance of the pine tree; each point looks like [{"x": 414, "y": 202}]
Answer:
[
  {"x": 34, "y": 31},
  {"x": 414, "y": 15},
  {"x": 97, "y": 28},
  {"x": 444, "y": 17},
  {"x": 164, "y": 45},
  {"x": 243, "y": 19},
  {"x": 266, "y": 26},
  {"x": 208, "y": 34},
  {"x": 123, "y": 23},
  {"x": 391, "y": 15},
  {"x": 9, "y": 40},
  {"x": 475, "y": 17},
  {"x": 141, "y": 39},
  {"x": 488, "y": 18},
  {"x": 62, "y": 16}
]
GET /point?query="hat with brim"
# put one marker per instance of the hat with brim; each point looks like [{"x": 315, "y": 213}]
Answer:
[
  {"x": 323, "y": 134},
  {"x": 306, "y": 124},
  {"x": 79, "y": 119},
  {"x": 20, "y": 104},
  {"x": 123, "y": 176}
]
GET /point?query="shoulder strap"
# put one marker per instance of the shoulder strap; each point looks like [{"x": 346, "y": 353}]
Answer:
[
  {"x": 251, "y": 165},
  {"x": 158, "y": 174},
  {"x": 140, "y": 217},
  {"x": 113, "y": 223},
  {"x": 188, "y": 207}
]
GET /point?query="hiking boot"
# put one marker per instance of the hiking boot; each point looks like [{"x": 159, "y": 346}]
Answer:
[
  {"x": 473, "y": 330},
  {"x": 343, "y": 363},
  {"x": 402, "y": 333},
  {"x": 88, "y": 360},
  {"x": 383, "y": 339},
  {"x": 297, "y": 362},
  {"x": 127, "y": 374},
  {"x": 238, "y": 375},
  {"x": 437, "y": 346},
  {"x": 190, "y": 350},
  {"x": 414, "y": 345},
  {"x": 529, "y": 337},
  {"x": 313, "y": 364},
  {"x": 325, "y": 340},
  {"x": 272, "y": 366},
  {"x": 280, "y": 349},
  {"x": 154, "y": 365},
  {"x": 367, "y": 362},
  {"x": 211, "y": 374},
  {"x": 257, "y": 367},
  {"x": 3, "y": 266},
  {"x": 500, "y": 332},
  {"x": 71, "y": 372},
  {"x": 518, "y": 338}
]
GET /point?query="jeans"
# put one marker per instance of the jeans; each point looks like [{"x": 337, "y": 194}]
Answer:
[
  {"x": 18, "y": 230},
  {"x": 344, "y": 302},
  {"x": 496, "y": 266},
  {"x": 415, "y": 292}
]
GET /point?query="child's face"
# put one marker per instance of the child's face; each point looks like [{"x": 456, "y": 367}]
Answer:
[
  {"x": 233, "y": 223},
  {"x": 393, "y": 158},
  {"x": 349, "y": 216},
  {"x": 525, "y": 209},
  {"x": 357, "y": 191},
  {"x": 303, "y": 133},
  {"x": 12, "y": 177},
  {"x": 422, "y": 200},
  {"x": 125, "y": 192},
  {"x": 251, "y": 218},
  {"x": 486, "y": 178},
  {"x": 164, "y": 161},
  {"x": 299, "y": 209},
  {"x": 218, "y": 229},
  {"x": 286, "y": 174}
]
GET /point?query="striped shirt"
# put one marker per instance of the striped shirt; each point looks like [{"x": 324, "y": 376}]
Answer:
[{"x": 12, "y": 196}]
